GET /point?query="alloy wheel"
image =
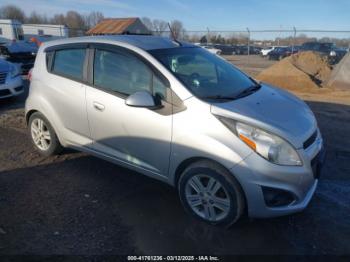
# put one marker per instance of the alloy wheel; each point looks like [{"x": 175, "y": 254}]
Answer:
[
  {"x": 40, "y": 134},
  {"x": 207, "y": 197}
]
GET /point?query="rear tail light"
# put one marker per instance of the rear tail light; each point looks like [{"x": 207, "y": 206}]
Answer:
[{"x": 30, "y": 73}]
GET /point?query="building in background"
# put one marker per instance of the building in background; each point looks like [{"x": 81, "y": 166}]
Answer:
[
  {"x": 45, "y": 30},
  {"x": 10, "y": 30},
  {"x": 119, "y": 26}
]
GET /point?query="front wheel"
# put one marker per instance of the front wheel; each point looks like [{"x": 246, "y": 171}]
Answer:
[
  {"x": 210, "y": 193},
  {"x": 43, "y": 135}
]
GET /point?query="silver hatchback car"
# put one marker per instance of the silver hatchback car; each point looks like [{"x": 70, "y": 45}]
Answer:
[{"x": 175, "y": 112}]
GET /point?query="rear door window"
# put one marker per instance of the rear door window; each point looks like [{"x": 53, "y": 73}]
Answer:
[{"x": 69, "y": 63}]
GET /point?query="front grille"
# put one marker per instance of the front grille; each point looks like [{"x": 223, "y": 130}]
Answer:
[
  {"x": 5, "y": 92},
  {"x": 2, "y": 78},
  {"x": 310, "y": 140}
]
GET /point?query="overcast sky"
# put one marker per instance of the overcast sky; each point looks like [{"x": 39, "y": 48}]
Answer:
[{"x": 217, "y": 15}]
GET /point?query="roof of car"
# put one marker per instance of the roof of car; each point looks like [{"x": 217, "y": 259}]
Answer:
[{"x": 145, "y": 42}]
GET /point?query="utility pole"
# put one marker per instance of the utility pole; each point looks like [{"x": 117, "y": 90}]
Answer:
[
  {"x": 294, "y": 36},
  {"x": 279, "y": 36},
  {"x": 248, "y": 41},
  {"x": 208, "y": 39}
]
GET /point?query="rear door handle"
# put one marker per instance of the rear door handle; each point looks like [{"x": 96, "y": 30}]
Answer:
[{"x": 98, "y": 106}]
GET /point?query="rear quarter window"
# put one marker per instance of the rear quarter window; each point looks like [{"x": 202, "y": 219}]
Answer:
[{"x": 69, "y": 63}]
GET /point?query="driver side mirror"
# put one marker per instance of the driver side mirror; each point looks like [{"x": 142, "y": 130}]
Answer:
[{"x": 143, "y": 99}]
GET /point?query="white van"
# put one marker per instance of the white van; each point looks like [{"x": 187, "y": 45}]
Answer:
[
  {"x": 45, "y": 30},
  {"x": 10, "y": 30}
]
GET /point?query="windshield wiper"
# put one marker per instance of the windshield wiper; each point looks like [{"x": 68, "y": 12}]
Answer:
[{"x": 248, "y": 91}]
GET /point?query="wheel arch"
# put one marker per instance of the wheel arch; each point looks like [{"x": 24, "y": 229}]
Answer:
[
  {"x": 187, "y": 162},
  {"x": 29, "y": 114}
]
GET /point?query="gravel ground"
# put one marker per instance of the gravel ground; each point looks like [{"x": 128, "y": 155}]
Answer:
[{"x": 77, "y": 204}]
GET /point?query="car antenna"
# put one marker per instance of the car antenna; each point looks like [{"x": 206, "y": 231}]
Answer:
[{"x": 173, "y": 35}]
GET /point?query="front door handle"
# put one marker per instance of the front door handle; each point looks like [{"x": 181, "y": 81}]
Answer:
[{"x": 98, "y": 106}]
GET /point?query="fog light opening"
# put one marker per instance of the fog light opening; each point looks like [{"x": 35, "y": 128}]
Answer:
[{"x": 277, "y": 197}]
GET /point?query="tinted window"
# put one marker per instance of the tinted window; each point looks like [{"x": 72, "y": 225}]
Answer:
[
  {"x": 124, "y": 73},
  {"x": 69, "y": 62}
]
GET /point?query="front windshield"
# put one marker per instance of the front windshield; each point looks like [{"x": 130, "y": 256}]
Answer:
[{"x": 204, "y": 74}]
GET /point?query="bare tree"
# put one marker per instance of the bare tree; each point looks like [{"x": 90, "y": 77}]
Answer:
[
  {"x": 194, "y": 38},
  {"x": 176, "y": 28},
  {"x": 148, "y": 23},
  {"x": 159, "y": 26},
  {"x": 36, "y": 18},
  {"x": 58, "y": 19},
  {"x": 93, "y": 19},
  {"x": 76, "y": 23},
  {"x": 12, "y": 12},
  {"x": 74, "y": 20}
]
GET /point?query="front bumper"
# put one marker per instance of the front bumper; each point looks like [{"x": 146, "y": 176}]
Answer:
[
  {"x": 255, "y": 173},
  {"x": 12, "y": 87}
]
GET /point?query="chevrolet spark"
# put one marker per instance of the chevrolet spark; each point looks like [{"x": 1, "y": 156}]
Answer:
[{"x": 176, "y": 113}]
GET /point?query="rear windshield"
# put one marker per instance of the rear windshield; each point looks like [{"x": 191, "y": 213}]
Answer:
[{"x": 204, "y": 74}]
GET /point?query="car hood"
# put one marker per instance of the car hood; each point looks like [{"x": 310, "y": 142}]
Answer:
[
  {"x": 21, "y": 47},
  {"x": 273, "y": 110},
  {"x": 4, "y": 65}
]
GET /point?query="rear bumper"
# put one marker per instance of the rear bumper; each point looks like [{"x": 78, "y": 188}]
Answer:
[{"x": 299, "y": 183}]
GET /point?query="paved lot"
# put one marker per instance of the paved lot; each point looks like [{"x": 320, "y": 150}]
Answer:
[{"x": 78, "y": 204}]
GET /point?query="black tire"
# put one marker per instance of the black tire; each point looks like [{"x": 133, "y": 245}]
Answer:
[
  {"x": 55, "y": 146},
  {"x": 228, "y": 182}
]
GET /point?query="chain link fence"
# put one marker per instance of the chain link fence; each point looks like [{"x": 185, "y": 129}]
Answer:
[{"x": 247, "y": 36}]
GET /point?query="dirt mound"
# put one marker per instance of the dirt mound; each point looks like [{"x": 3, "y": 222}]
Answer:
[
  {"x": 302, "y": 71},
  {"x": 340, "y": 77}
]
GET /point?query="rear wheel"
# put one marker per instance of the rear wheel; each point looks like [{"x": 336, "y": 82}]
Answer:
[
  {"x": 210, "y": 193},
  {"x": 43, "y": 136}
]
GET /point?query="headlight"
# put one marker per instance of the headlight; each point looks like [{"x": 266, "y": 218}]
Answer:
[
  {"x": 14, "y": 71},
  {"x": 269, "y": 146},
  {"x": 333, "y": 53}
]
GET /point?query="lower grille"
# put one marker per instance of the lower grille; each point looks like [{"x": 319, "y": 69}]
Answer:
[
  {"x": 5, "y": 92},
  {"x": 3, "y": 78}
]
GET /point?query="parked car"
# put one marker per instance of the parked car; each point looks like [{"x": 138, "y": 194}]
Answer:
[
  {"x": 330, "y": 50},
  {"x": 254, "y": 50},
  {"x": 226, "y": 49},
  {"x": 10, "y": 79},
  {"x": 177, "y": 113},
  {"x": 281, "y": 52},
  {"x": 267, "y": 50},
  {"x": 241, "y": 50},
  {"x": 212, "y": 49},
  {"x": 22, "y": 53}
]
